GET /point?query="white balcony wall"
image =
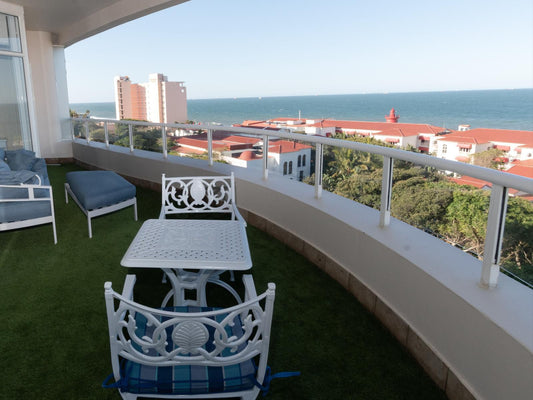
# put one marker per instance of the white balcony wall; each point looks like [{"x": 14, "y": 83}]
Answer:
[
  {"x": 422, "y": 289},
  {"x": 50, "y": 95}
]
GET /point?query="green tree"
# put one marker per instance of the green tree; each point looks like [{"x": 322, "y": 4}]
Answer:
[
  {"x": 97, "y": 134},
  {"x": 491, "y": 158},
  {"x": 517, "y": 252},
  {"x": 465, "y": 222},
  {"x": 421, "y": 203},
  {"x": 77, "y": 126},
  {"x": 364, "y": 188}
]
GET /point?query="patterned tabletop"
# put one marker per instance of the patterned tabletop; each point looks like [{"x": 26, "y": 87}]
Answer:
[{"x": 187, "y": 243}]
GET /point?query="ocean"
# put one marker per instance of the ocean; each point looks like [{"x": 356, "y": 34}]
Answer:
[{"x": 497, "y": 109}]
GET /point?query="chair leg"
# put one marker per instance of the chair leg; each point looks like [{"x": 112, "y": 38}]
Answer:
[
  {"x": 135, "y": 209},
  {"x": 90, "y": 227},
  {"x": 54, "y": 229}
]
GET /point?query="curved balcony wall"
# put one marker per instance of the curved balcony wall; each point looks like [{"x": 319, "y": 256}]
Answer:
[{"x": 474, "y": 342}]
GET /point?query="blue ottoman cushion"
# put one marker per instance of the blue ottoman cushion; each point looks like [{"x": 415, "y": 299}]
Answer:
[{"x": 96, "y": 189}]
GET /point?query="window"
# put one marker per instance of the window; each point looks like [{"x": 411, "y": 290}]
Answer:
[
  {"x": 464, "y": 149},
  {"x": 15, "y": 129},
  {"x": 303, "y": 160},
  {"x": 299, "y": 161},
  {"x": 290, "y": 167},
  {"x": 285, "y": 168},
  {"x": 444, "y": 148},
  {"x": 10, "y": 33}
]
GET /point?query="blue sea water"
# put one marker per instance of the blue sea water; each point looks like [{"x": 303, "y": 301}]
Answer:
[{"x": 498, "y": 109}]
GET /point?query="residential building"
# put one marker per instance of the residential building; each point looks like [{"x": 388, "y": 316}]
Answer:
[
  {"x": 157, "y": 100},
  {"x": 404, "y": 135},
  {"x": 461, "y": 145},
  {"x": 288, "y": 159}
]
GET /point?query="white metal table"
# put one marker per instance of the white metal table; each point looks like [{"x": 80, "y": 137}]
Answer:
[{"x": 178, "y": 245}]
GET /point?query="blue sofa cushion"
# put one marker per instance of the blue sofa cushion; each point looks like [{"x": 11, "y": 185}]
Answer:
[
  {"x": 18, "y": 177},
  {"x": 40, "y": 169},
  {"x": 20, "y": 159},
  {"x": 20, "y": 211},
  {"x": 186, "y": 379},
  {"x": 97, "y": 189},
  {"x": 15, "y": 192}
]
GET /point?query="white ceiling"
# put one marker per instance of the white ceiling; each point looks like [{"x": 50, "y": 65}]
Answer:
[{"x": 73, "y": 20}]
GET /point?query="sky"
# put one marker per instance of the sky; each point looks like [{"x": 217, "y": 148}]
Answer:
[{"x": 253, "y": 48}]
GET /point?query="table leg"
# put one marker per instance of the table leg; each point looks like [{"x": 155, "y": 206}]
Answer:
[{"x": 185, "y": 283}]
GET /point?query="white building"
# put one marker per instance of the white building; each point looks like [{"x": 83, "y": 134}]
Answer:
[
  {"x": 459, "y": 146},
  {"x": 285, "y": 158}
]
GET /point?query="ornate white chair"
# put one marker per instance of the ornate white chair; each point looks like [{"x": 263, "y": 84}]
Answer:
[
  {"x": 189, "y": 352},
  {"x": 200, "y": 195}
]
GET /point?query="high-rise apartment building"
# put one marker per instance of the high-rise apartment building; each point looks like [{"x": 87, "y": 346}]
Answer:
[{"x": 157, "y": 100}]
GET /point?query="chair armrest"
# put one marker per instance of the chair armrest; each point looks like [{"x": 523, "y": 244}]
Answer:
[
  {"x": 238, "y": 215},
  {"x": 249, "y": 287},
  {"x": 13, "y": 192}
]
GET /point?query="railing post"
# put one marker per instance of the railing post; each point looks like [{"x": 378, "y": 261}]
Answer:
[
  {"x": 106, "y": 134},
  {"x": 386, "y": 191},
  {"x": 130, "y": 135},
  {"x": 494, "y": 236},
  {"x": 164, "y": 142},
  {"x": 265, "y": 157},
  {"x": 319, "y": 158},
  {"x": 86, "y": 126},
  {"x": 210, "y": 146}
]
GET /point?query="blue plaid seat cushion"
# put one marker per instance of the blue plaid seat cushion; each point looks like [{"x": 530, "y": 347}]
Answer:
[{"x": 186, "y": 379}]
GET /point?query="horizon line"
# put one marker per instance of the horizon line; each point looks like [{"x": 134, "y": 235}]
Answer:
[{"x": 328, "y": 94}]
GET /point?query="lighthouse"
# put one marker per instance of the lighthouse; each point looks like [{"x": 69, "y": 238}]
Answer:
[{"x": 392, "y": 117}]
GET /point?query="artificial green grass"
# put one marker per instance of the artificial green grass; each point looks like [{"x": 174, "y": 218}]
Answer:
[{"x": 54, "y": 341}]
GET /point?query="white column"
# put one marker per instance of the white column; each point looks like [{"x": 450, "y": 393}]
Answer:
[{"x": 50, "y": 95}]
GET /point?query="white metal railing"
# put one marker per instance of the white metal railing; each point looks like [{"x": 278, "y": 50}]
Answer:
[{"x": 501, "y": 181}]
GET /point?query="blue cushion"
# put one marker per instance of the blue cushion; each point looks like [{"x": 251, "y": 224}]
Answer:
[
  {"x": 20, "y": 159},
  {"x": 187, "y": 379},
  {"x": 18, "y": 177},
  {"x": 20, "y": 211},
  {"x": 4, "y": 166},
  {"x": 97, "y": 189},
  {"x": 40, "y": 169},
  {"x": 16, "y": 192}
]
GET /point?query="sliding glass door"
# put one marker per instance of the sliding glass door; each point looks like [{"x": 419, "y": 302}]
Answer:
[{"x": 15, "y": 131}]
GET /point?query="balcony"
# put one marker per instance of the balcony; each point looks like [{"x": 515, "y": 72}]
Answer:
[
  {"x": 427, "y": 293},
  {"x": 435, "y": 300},
  {"x": 55, "y": 343}
]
